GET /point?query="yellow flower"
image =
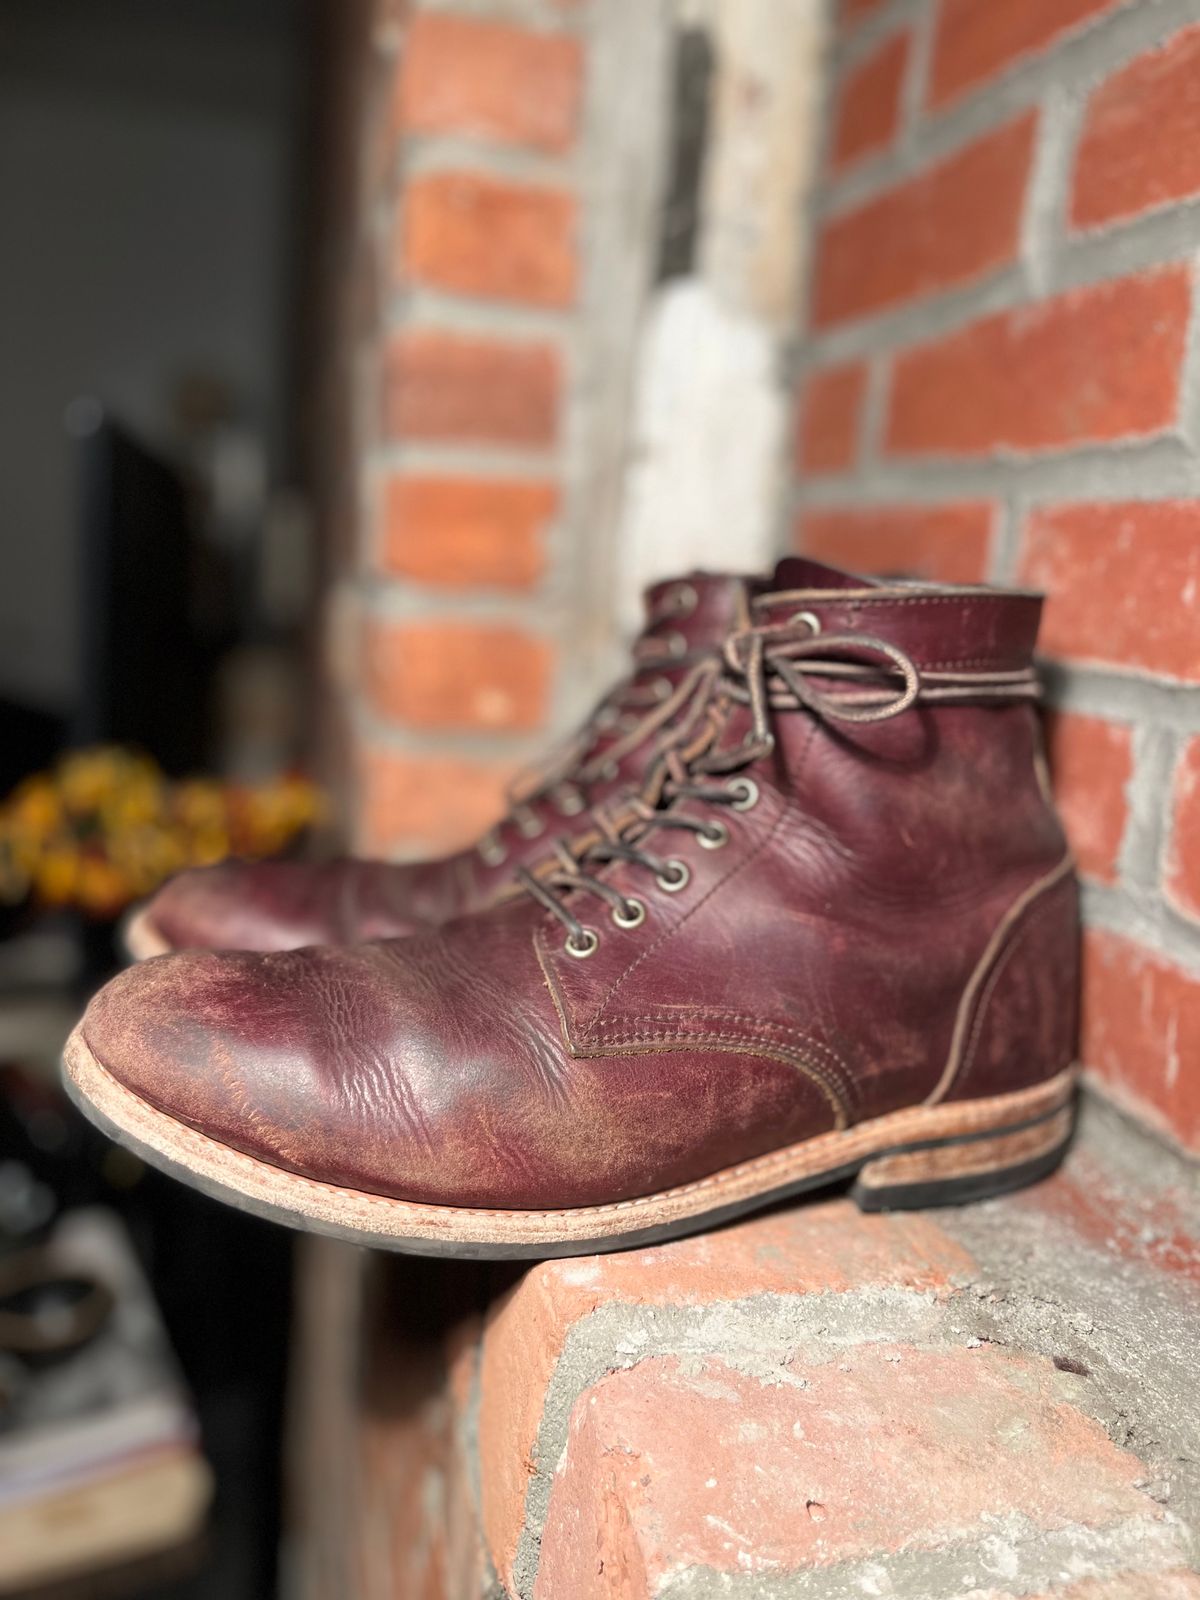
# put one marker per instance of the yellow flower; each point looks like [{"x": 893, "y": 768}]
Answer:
[
  {"x": 135, "y": 803},
  {"x": 34, "y": 807},
  {"x": 15, "y": 881},
  {"x": 87, "y": 778},
  {"x": 200, "y": 803},
  {"x": 57, "y": 874},
  {"x": 106, "y": 827},
  {"x": 208, "y": 845},
  {"x": 101, "y": 889}
]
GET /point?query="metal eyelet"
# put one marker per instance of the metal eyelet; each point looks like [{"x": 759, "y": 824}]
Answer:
[
  {"x": 684, "y": 600},
  {"x": 570, "y": 802},
  {"x": 530, "y": 825},
  {"x": 588, "y": 947},
  {"x": 675, "y": 875},
  {"x": 628, "y": 723},
  {"x": 610, "y": 771},
  {"x": 714, "y": 837},
  {"x": 746, "y": 791},
  {"x": 631, "y": 915},
  {"x": 492, "y": 852},
  {"x": 677, "y": 645},
  {"x": 813, "y": 621},
  {"x": 663, "y": 688}
]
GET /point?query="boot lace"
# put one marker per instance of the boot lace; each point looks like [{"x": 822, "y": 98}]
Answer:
[
  {"x": 629, "y": 713},
  {"x": 772, "y": 669}
]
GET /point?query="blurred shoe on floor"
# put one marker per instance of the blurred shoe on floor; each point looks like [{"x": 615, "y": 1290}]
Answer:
[{"x": 279, "y": 905}]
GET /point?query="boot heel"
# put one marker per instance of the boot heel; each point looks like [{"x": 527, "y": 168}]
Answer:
[{"x": 949, "y": 1172}]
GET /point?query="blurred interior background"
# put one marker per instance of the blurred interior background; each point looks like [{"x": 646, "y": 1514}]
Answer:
[{"x": 157, "y": 570}]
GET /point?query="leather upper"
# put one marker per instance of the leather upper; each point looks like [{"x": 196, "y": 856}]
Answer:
[
  {"x": 278, "y": 905},
  {"x": 837, "y": 956}
]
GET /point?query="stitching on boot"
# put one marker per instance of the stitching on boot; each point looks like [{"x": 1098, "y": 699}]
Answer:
[
  {"x": 1020, "y": 929},
  {"x": 660, "y": 1045},
  {"x": 1035, "y": 897}
]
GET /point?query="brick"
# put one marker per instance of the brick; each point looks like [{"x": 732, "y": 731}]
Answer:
[
  {"x": 462, "y": 533},
  {"x": 828, "y": 418},
  {"x": 947, "y": 543},
  {"x": 868, "y": 110},
  {"x": 1122, "y": 583},
  {"x": 1183, "y": 855},
  {"x": 465, "y": 675},
  {"x": 457, "y": 388},
  {"x": 1097, "y": 364},
  {"x": 428, "y": 804},
  {"x": 1140, "y": 145},
  {"x": 675, "y": 1465},
  {"x": 418, "y": 1515},
  {"x": 951, "y": 225},
  {"x": 461, "y": 75},
  {"x": 820, "y": 1248},
  {"x": 1150, "y": 1227},
  {"x": 1091, "y": 763},
  {"x": 1141, "y": 1033},
  {"x": 976, "y": 39},
  {"x": 475, "y": 235}
]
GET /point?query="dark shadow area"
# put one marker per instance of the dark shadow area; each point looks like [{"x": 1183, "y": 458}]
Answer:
[{"x": 156, "y": 581}]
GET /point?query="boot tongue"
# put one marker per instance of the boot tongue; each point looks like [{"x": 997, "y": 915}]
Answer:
[
  {"x": 798, "y": 572},
  {"x": 699, "y": 606}
]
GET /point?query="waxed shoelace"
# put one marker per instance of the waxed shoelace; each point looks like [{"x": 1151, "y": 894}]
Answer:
[{"x": 772, "y": 669}]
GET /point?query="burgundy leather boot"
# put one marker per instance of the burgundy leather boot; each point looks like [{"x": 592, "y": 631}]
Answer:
[
  {"x": 277, "y": 905},
  {"x": 833, "y": 934}
]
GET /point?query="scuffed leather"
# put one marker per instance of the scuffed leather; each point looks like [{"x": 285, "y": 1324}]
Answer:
[
  {"x": 809, "y": 975},
  {"x": 1026, "y": 1012}
]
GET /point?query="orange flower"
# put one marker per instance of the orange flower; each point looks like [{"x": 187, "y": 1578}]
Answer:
[
  {"x": 35, "y": 807},
  {"x": 101, "y": 889},
  {"x": 56, "y": 875},
  {"x": 106, "y": 827}
]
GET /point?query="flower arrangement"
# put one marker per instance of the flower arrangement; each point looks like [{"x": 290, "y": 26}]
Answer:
[{"x": 105, "y": 827}]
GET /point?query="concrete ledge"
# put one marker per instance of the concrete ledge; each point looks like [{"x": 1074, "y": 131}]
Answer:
[{"x": 980, "y": 1404}]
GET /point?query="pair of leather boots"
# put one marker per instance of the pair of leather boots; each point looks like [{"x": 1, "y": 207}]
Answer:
[{"x": 795, "y": 907}]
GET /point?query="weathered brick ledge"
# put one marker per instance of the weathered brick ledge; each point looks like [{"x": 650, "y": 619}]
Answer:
[{"x": 979, "y": 1404}]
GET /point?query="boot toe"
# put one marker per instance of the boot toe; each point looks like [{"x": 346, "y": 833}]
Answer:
[
  {"x": 209, "y": 908},
  {"x": 173, "y": 1031},
  {"x": 264, "y": 1053}
]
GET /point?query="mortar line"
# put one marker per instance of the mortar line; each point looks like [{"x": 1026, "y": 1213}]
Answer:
[
  {"x": 542, "y": 16},
  {"x": 1075, "y": 64},
  {"x": 1189, "y": 378},
  {"x": 850, "y": 49},
  {"x": 1006, "y": 532},
  {"x": 463, "y": 154},
  {"x": 464, "y": 460},
  {"x": 1144, "y": 919},
  {"x": 1138, "y": 1544},
  {"x": 1156, "y": 753},
  {"x": 417, "y": 307},
  {"x": 1141, "y": 470},
  {"x": 1049, "y": 180},
  {"x": 916, "y": 78}
]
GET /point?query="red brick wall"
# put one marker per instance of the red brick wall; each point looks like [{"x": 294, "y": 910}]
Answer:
[
  {"x": 999, "y": 381},
  {"x": 448, "y": 614}
]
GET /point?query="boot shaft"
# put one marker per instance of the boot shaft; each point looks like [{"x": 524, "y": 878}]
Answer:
[{"x": 949, "y": 790}]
